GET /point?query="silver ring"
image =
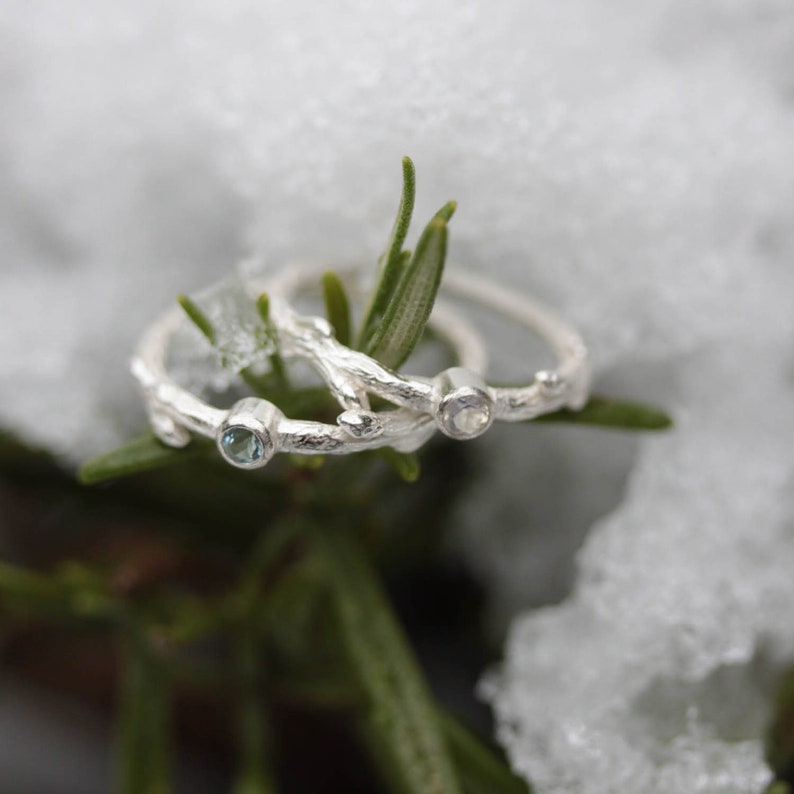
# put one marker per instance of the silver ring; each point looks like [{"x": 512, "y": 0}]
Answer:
[
  {"x": 457, "y": 401},
  {"x": 461, "y": 403},
  {"x": 254, "y": 429}
]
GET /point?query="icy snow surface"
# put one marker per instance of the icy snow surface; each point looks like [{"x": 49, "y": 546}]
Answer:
[{"x": 631, "y": 162}]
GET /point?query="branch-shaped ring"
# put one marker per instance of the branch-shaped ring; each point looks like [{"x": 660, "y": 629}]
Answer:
[
  {"x": 350, "y": 375},
  {"x": 461, "y": 403},
  {"x": 254, "y": 429}
]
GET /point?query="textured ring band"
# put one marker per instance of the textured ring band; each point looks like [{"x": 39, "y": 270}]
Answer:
[
  {"x": 462, "y": 404},
  {"x": 250, "y": 432}
]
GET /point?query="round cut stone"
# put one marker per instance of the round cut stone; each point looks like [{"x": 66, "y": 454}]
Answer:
[
  {"x": 466, "y": 416},
  {"x": 242, "y": 446}
]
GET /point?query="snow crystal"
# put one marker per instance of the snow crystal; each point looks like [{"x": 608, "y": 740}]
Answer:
[
  {"x": 631, "y": 162},
  {"x": 657, "y": 671}
]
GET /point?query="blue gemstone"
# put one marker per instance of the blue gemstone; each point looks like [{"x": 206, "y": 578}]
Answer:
[{"x": 242, "y": 446}]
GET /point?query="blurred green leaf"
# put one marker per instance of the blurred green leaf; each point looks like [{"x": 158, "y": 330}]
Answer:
[
  {"x": 481, "y": 770},
  {"x": 200, "y": 320},
  {"x": 23, "y": 585},
  {"x": 145, "y": 452},
  {"x": 337, "y": 306},
  {"x": 253, "y": 775},
  {"x": 71, "y": 591},
  {"x": 278, "y": 368},
  {"x": 307, "y": 462},
  {"x": 406, "y": 464},
  {"x": 393, "y": 259},
  {"x": 409, "y": 309},
  {"x": 263, "y": 307},
  {"x": 618, "y": 414},
  {"x": 403, "y": 725},
  {"x": 144, "y": 718}
]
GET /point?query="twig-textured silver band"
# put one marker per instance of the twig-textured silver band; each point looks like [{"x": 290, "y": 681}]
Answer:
[
  {"x": 350, "y": 375},
  {"x": 175, "y": 412},
  {"x": 456, "y": 401}
]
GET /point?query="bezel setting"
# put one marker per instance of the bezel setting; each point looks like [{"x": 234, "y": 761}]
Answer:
[
  {"x": 258, "y": 419},
  {"x": 464, "y": 408}
]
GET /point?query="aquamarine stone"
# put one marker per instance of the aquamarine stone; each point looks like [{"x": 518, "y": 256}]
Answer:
[{"x": 242, "y": 446}]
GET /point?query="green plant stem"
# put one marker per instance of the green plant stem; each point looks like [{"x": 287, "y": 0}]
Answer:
[
  {"x": 253, "y": 775},
  {"x": 403, "y": 725},
  {"x": 617, "y": 414},
  {"x": 481, "y": 769},
  {"x": 72, "y": 591},
  {"x": 252, "y": 606},
  {"x": 144, "y": 718}
]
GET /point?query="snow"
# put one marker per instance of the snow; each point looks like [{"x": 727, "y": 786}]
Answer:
[
  {"x": 631, "y": 163},
  {"x": 657, "y": 670}
]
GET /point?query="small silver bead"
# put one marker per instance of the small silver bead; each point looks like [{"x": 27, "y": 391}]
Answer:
[
  {"x": 550, "y": 383},
  {"x": 360, "y": 424}
]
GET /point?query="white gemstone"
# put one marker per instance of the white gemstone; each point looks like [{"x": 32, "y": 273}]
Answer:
[{"x": 466, "y": 416}]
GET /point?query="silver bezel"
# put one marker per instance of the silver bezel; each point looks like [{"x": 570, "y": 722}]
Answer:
[
  {"x": 463, "y": 389},
  {"x": 259, "y": 417}
]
